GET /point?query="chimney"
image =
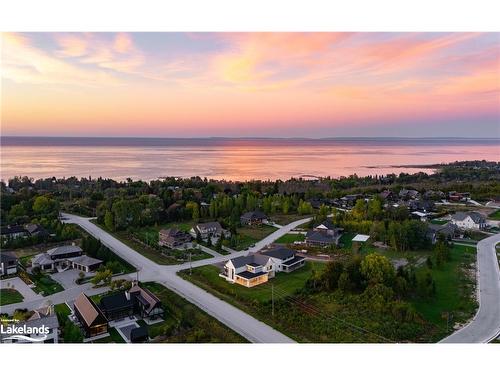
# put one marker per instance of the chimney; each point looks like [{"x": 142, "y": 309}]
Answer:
[
  {"x": 127, "y": 295},
  {"x": 73, "y": 243}
]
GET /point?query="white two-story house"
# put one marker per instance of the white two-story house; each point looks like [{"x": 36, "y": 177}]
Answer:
[
  {"x": 469, "y": 220},
  {"x": 255, "y": 269}
]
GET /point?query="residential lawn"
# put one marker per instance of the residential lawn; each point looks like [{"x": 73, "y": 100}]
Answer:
[
  {"x": 291, "y": 238},
  {"x": 186, "y": 323},
  {"x": 8, "y": 296},
  {"x": 249, "y": 235},
  {"x": 495, "y": 215},
  {"x": 346, "y": 240},
  {"x": 454, "y": 289},
  {"x": 330, "y": 316},
  {"x": 63, "y": 309},
  {"x": 45, "y": 284},
  {"x": 439, "y": 222},
  {"x": 319, "y": 317},
  {"x": 150, "y": 234},
  {"x": 114, "y": 337},
  {"x": 162, "y": 256},
  {"x": 283, "y": 219},
  {"x": 208, "y": 276}
]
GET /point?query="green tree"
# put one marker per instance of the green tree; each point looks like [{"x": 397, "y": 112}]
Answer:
[
  {"x": 377, "y": 269},
  {"x": 109, "y": 221},
  {"x": 102, "y": 276},
  {"x": 44, "y": 205},
  {"x": 331, "y": 275}
]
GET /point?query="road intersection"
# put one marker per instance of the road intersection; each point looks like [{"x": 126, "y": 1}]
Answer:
[
  {"x": 241, "y": 322},
  {"x": 483, "y": 328}
]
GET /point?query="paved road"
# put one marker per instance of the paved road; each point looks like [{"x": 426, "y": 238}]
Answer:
[
  {"x": 242, "y": 323},
  {"x": 486, "y": 324},
  {"x": 56, "y": 298},
  {"x": 18, "y": 284}
]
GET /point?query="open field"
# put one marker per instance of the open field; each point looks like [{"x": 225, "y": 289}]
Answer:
[
  {"x": 495, "y": 215},
  {"x": 249, "y": 235},
  {"x": 8, "y": 296},
  {"x": 185, "y": 322},
  {"x": 291, "y": 238},
  {"x": 329, "y": 317},
  {"x": 454, "y": 290},
  {"x": 283, "y": 219}
]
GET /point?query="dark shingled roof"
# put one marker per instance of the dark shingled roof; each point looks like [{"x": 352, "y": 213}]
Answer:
[
  {"x": 139, "y": 334},
  {"x": 12, "y": 229},
  {"x": 7, "y": 256},
  {"x": 294, "y": 260},
  {"x": 249, "y": 259},
  {"x": 475, "y": 216},
  {"x": 319, "y": 237},
  {"x": 254, "y": 215},
  {"x": 279, "y": 253},
  {"x": 116, "y": 301},
  {"x": 249, "y": 275}
]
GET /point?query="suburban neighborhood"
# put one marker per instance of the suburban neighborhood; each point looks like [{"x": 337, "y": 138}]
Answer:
[{"x": 279, "y": 261}]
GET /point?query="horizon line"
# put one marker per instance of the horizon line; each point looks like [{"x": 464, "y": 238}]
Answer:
[{"x": 244, "y": 137}]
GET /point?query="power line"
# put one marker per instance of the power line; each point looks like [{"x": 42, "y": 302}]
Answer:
[{"x": 320, "y": 313}]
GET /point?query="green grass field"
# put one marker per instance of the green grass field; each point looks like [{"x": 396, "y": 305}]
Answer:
[
  {"x": 291, "y": 238},
  {"x": 248, "y": 235},
  {"x": 154, "y": 254},
  {"x": 45, "y": 284},
  {"x": 495, "y": 215},
  {"x": 62, "y": 308},
  {"x": 186, "y": 323},
  {"x": 283, "y": 219},
  {"x": 208, "y": 277},
  {"x": 9, "y": 296},
  {"x": 439, "y": 222},
  {"x": 453, "y": 289}
]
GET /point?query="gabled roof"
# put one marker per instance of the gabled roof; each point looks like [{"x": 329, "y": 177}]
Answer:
[
  {"x": 12, "y": 229},
  {"x": 116, "y": 301},
  {"x": 62, "y": 250},
  {"x": 88, "y": 310},
  {"x": 279, "y": 253},
  {"x": 241, "y": 261},
  {"x": 7, "y": 256},
  {"x": 317, "y": 236},
  {"x": 42, "y": 259},
  {"x": 254, "y": 215},
  {"x": 327, "y": 224},
  {"x": 475, "y": 216},
  {"x": 35, "y": 228},
  {"x": 42, "y": 312},
  {"x": 146, "y": 295}
]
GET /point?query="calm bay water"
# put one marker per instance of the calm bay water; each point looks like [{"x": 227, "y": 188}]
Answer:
[{"x": 230, "y": 159}]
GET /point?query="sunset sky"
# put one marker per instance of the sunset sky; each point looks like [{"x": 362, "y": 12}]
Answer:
[{"x": 251, "y": 84}]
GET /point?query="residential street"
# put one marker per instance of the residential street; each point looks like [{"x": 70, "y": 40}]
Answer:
[
  {"x": 241, "y": 322},
  {"x": 486, "y": 324},
  {"x": 56, "y": 298}
]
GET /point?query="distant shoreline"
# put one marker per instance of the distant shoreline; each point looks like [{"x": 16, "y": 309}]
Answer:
[{"x": 13, "y": 141}]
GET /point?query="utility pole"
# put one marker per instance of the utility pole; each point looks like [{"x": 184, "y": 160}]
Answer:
[{"x": 272, "y": 298}]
